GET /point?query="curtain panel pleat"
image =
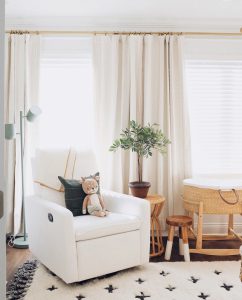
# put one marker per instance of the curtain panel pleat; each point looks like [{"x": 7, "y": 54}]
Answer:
[
  {"x": 21, "y": 91},
  {"x": 140, "y": 77}
]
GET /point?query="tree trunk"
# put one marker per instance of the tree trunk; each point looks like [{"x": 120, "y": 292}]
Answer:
[{"x": 140, "y": 168}]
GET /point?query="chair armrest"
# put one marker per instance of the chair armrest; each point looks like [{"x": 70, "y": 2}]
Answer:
[
  {"x": 129, "y": 205},
  {"x": 52, "y": 241},
  {"x": 126, "y": 204}
]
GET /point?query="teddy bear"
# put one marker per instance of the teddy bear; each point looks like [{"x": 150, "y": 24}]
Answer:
[{"x": 93, "y": 202}]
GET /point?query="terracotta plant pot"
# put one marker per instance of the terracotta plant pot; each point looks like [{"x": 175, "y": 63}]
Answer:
[{"x": 139, "y": 189}]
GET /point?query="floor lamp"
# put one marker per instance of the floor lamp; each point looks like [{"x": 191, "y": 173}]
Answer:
[{"x": 32, "y": 114}]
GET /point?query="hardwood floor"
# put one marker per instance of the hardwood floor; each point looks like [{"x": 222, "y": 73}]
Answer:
[
  {"x": 16, "y": 257},
  {"x": 200, "y": 257}
]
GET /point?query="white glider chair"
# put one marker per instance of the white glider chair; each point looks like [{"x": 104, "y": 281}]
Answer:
[{"x": 83, "y": 247}]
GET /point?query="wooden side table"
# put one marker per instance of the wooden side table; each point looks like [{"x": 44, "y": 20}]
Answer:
[{"x": 156, "y": 245}]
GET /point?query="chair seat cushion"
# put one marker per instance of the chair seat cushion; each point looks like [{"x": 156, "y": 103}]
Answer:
[{"x": 91, "y": 227}]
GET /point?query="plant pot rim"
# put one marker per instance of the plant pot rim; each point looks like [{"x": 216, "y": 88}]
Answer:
[{"x": 138, "y": 184}]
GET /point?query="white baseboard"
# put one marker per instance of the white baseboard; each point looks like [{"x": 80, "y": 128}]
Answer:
[
  {"x": 219, "y": 228},
  {"x": 216, "y": 228}
]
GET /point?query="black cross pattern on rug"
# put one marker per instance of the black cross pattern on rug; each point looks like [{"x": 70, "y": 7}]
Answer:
[
  {"x": 163, "y": 273},
  {"x": 170, "y": 288},
  {"x": 52, "y": 288},
  {"x": 193, "y": 279},
  {"x": 203, "y": 296},
  {"x": 80, "y": 297},
  {"x": 217, "y": 272},
  {"x": 227, "y": 287},
  {"x": 142, "y": 296},
  {"x": 140, "y": 280},
  {"x": 110, "y": 288}
]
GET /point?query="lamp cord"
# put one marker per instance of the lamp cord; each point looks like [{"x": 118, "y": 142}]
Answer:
[{"x": 11, "y": 240}]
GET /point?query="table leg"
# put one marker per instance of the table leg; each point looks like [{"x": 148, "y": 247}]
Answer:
[
  {"x": 159, "y": 242},
  {"x": 152, "y": 226},
  {"x": 157, "y": 247}
]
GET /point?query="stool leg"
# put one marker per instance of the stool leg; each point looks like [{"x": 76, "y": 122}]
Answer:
[
  {"x": 169, "y": 243},
  {"x": 181, "y": 246},
  {"x": 185, "y": 244}
]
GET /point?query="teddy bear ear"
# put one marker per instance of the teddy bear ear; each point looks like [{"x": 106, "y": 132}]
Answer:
[
  {"x": 97, "y": 177},
  {"x": 82, "y": 179}
]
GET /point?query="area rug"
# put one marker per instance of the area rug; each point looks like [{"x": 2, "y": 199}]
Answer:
[{"x": 155, "y": 281}]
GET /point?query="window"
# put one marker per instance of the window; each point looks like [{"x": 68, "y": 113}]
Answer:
[
  {"x": 66, "y": 93},
  {"x": 213, "y": 70}
]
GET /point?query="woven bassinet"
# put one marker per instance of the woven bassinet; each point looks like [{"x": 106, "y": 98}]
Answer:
[
  {"x": 241, "y": 263},
  {"x": 218, "y": 197}
]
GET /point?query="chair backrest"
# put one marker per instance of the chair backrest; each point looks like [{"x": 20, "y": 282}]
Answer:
[
  {"x": 85, "y": 164},
  {"x": 47, "y": 165}
]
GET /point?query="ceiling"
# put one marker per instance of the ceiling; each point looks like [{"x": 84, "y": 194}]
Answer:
[
  {"x": 226, "y": 12},
  {"x": 195, "y": 9}
]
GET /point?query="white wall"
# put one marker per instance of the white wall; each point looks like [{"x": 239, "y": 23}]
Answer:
[{"x": 2, "y": 221}]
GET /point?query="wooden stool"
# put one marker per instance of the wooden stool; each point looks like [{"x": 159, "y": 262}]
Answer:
[
  {"x": 183, "y": 222},
  {"x": 157, "y": 203}
]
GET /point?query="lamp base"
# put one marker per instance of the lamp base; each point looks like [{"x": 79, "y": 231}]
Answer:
[{"x": 21, "y": 243}]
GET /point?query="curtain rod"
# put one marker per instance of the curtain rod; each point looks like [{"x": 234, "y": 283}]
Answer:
[{"x": 123, "y": 33}]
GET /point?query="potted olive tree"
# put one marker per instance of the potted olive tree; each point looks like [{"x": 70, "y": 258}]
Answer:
[{"x": 142, "y": 140}]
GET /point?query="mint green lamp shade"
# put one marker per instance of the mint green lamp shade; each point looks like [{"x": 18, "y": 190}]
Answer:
[
  {"x": 10, "y": 131},
  {"x": 33, "y": 113}
]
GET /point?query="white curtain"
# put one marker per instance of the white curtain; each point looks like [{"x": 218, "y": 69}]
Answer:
[
  {"x": 21, "y": 91},
  {"x": 165, "y": 103},
  {"x": 140, "y": 77},
  {"x": 117, "y": 99}
]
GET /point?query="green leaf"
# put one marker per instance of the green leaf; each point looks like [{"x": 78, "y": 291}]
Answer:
[{"x": 141, "y": 139}]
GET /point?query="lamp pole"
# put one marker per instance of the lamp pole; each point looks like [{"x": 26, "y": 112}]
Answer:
[
  {"x": 22, "y": 171},
  {"x": 22, "y": 242},
  {"x": 32, "y": 114}
]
